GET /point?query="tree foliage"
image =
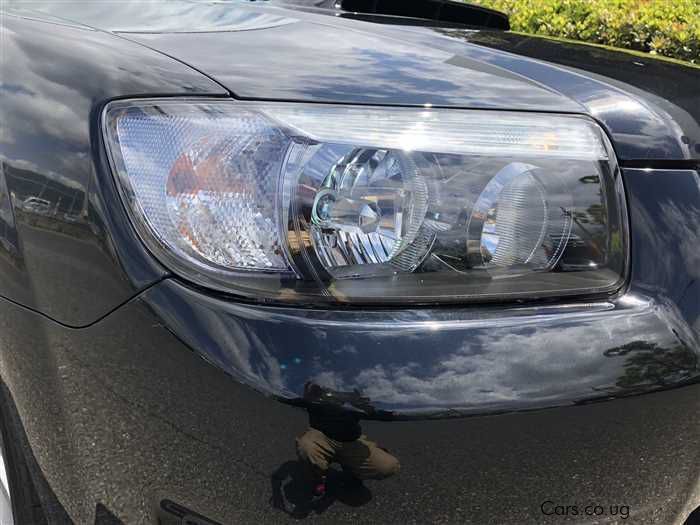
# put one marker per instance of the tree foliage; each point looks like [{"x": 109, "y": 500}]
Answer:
[{"x": 665, "y": 27}]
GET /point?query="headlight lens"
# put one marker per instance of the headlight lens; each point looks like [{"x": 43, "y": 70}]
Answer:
[{"x": 308, "y": 203}]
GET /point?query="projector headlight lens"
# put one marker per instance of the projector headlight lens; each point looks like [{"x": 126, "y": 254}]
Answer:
[
  {"x": 370, "y": 210},
  {"x": 309, "y": 203}
]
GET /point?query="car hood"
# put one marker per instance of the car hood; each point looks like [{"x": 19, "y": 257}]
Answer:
[{"x": 649, "y": 107}]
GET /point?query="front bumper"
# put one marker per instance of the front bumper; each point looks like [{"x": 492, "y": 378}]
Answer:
[
  {"x": 443, "y": 362},
  {"x": 125, "y": 414}
]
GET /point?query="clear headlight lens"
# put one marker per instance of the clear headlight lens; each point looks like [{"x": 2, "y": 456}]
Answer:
[{"x": 312, "y": 203}]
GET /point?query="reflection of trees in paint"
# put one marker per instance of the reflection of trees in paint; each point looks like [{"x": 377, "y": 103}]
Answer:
[{"x": 648, "y": 364}]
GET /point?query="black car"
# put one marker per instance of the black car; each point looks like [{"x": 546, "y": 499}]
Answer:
[{"x": 256, "y": 257}]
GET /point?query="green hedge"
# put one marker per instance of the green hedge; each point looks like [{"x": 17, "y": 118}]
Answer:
[{"x": 665, "y": 27}]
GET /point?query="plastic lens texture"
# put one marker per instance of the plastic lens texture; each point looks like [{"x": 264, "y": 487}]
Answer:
[{"x": 322, "y": 203}]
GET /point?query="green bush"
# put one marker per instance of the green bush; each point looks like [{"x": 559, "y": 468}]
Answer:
[{"x": 665, "y": 27}]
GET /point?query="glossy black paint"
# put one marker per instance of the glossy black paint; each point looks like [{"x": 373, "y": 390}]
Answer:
[
  {"x": 122, "y": 415},
  {"x": 261, "y": 51},
  {"x": 442, "y": 363},
  {"x": 60, "y": 260},
  {"x": 184, "y": 395},
  {"x": 367, "y": 70}
]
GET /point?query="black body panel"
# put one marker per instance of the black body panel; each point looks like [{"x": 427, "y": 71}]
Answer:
[
  {"x": 170, "y": 426},
  {"x": 443, "y": 67},
  {"x": 57, "y": 255},
  {"x": 368, "y": 69},
  {"x": 649, "y": 106}
]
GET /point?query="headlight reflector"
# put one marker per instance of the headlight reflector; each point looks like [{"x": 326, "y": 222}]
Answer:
[
  {"x": 315, "y": 203},
  {"x": 523, "y": 220}
]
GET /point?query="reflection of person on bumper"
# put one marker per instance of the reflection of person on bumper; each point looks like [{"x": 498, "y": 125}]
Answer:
[{"x": 335, "y": 435}]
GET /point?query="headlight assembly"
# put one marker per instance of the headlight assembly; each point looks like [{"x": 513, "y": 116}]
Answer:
[{"x": 326, "y": 203}]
